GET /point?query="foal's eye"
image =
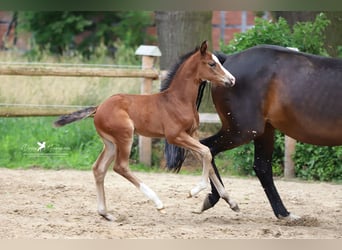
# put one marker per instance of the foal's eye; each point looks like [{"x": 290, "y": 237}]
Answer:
[{"x": 212, "y": 64}]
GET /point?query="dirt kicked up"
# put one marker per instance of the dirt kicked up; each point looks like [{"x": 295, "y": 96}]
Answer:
[{"x": 49, "y": 204}]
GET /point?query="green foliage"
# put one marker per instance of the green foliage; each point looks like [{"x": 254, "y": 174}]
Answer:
[
  {"x": 309, "y": 36},
  {"x": 63, "y": 32},
  {"x": 125, "y": 55},
  {"x": 243, "y": 157},
  {"x": 306, "y": 36},
  {"x": 74, "y": 146},
  {"x": 131, "y": 29},
  {"x": 53, "y": 30},
  {"x": 312, "y": 162},
  {"x": 318, "y": 163},
  {"x": 339, "y": 49}
]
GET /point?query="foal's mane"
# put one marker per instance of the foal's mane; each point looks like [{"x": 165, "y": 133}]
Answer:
[
  {"x": 172, "y": 72},
  {"x": 175, "y": 155}
]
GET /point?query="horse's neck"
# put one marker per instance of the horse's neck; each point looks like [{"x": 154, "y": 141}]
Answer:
[{"x": 184, "y": 86}]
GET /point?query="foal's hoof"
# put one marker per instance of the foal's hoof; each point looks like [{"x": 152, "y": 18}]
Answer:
[
  {"x": 233, "y": 205},
  {"x": 235, "y": 208},
  {"x": 161, "y": 210},
  {"x": 108, "y": 217},
  {"x": 197, "y": 211},
  {"x": 190, "y": 195}
]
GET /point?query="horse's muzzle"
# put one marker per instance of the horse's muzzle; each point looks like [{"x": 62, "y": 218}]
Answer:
[{"x": 230, "y": 82}]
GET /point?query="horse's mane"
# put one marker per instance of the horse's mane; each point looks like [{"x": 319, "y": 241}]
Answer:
[{"x": 171, "y": 73}]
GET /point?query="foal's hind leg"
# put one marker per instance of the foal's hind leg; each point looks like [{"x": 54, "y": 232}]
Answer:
[
  {"x": 121, "y": 167},
  {"x": 99, "y": 170}
]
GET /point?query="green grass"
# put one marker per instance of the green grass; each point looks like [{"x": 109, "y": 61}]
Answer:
[{"x": 75, "y": 146}]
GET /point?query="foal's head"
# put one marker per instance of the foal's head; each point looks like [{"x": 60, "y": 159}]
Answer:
[{"x": 211, "y": 69}]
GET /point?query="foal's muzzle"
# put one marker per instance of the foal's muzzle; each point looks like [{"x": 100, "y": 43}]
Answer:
[{"x": 230, "y": 81}]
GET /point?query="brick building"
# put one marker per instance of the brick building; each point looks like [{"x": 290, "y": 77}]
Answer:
[{"x": 226, "y": 23}]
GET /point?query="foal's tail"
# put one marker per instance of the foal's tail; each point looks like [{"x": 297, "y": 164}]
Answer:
[
  {"x": 75, "y": 116},
  {"x": 175, "y": 155}
]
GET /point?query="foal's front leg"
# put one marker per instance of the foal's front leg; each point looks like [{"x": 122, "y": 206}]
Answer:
[{"x": 186, "y": 141}]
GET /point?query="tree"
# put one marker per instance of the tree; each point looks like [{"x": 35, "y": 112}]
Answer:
[
  {"x": 333, "y": 32},
  {"x": 179, "y": 32},
  {"x": 333, "y": 42}
]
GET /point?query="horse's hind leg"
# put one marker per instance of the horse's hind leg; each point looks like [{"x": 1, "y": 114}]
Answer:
[
  {"x": 100, "y": 168},
  {"x": 121, "y": 167},
  {"x": 263, "y": 149}
]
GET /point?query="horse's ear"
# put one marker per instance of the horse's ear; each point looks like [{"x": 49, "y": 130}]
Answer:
[{"x": 204, "y": 47}]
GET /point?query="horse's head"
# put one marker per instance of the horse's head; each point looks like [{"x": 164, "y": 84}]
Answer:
[{"x": 211, "y": 69}]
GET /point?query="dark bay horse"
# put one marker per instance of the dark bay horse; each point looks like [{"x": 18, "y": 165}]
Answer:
[
  {"x": 171, "y": 113},
  {"x": 276, "y": 88}
]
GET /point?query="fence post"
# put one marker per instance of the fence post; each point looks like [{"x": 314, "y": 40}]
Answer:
[
  {"x": 149, "y": 54},
  {"x": 289, "y": 166}
]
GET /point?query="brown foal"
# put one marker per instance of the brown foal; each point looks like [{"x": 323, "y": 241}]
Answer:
[{"x": 170, "y": 113}]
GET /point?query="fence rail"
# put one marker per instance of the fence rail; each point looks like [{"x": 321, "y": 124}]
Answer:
[{"x": 32, "y": 70}]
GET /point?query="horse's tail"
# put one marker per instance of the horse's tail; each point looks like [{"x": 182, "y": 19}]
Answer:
[
  {"x": 75, "y": 116},
  {"x": 175, "y": 155}
]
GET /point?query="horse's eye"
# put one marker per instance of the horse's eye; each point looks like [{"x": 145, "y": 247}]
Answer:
[{"x": 212, "y": 64}]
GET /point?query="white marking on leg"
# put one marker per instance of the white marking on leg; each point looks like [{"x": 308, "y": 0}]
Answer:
[
  {"x": 206, "y": 161},
  {"x": 290, "y": 217},
  {"x": 151, "y": 195},
  {"x": 202, "y": 185}
]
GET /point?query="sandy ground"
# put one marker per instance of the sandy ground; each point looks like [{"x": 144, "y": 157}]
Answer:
[{"x": 39, "y": 204}]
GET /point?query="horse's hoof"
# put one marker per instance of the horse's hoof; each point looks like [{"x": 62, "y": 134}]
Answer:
[
  {"x": 190, "y": 195},
  {"x": 290, "y": 217},
  {"x": 206, "y": 204},
  {"x": 108, "y": 217},
  {"x": 235, "y": 208},
  {"x": 161, "y": 210},
  {"x": 197, "y": 212}
]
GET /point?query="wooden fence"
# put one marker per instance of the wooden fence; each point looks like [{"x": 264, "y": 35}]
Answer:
[
  {"x": 62, "y": 71},
  {"x": 146, "y": 72}
]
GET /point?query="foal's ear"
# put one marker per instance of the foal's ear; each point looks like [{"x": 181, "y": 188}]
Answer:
[{"x": 204, "y": 47}]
